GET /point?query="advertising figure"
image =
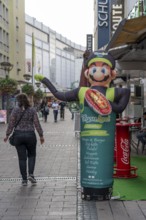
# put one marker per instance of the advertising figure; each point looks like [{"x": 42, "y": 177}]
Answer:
[{"x": 99, "y": 105}]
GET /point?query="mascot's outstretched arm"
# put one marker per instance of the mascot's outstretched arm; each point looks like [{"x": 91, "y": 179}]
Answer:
[
  {"x": 69, "y": 95},
  {"x": 99, "y": 72},
  {"x": 122, "y": 96},
  {"x": 64, "y": 96}
]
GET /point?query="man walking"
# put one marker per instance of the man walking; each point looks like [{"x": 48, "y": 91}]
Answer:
[
  {"x": 62, "y": 110},
  {"x": 55, "y": 107}
]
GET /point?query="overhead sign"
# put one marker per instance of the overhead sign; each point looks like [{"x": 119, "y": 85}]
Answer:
[{"x": 103, "y": 11}]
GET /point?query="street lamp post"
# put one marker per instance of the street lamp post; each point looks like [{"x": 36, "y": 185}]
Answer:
[
  {"x": 27, "y": 77},
  {"x": 7, "y": 67}
]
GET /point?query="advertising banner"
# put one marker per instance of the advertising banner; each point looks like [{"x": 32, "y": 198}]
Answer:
[
  {"x": 104, "y": 12},
  {"x": 117, "y": 14},
  {"x": 97, "y": 149}
]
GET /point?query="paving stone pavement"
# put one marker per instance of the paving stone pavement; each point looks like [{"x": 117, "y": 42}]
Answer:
[{"x": 57, "y": 195}]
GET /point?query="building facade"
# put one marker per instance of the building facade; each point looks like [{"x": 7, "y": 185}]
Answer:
[
  {"x": 135, "y": 78},
  {"x": 12, "y": 44},
  {"x": 107, "y": 16},
  {"x": 12, "y": 37},
  {"x": 31, "y": 47},
  {"x": 55, "y": 56}
]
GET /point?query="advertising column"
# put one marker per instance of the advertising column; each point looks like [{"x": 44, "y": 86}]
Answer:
[{"x": 97, "y": 152}]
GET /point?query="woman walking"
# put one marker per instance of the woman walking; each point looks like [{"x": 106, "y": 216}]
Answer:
[
  {"x": 25, "y": 139},
  {"x": 46, "y": 112}
]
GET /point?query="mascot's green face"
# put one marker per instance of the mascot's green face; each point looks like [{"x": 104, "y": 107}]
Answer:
[{"x": 100, "y": 70}]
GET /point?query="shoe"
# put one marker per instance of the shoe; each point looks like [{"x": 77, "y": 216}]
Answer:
[
  {"x": 32, "y": 179},
  {"x": 24, "y": 182}
]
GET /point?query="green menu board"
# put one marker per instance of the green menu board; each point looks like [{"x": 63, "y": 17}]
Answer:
[{"x": 97, "y": 149}]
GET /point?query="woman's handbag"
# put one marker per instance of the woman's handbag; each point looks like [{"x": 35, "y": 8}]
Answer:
[{"x": 11, "y": 138}]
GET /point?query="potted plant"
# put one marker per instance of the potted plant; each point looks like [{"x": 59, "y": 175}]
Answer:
[
  {"x": 38, "y": 94},
  {"x": 8, "y": 86},
  {"x": 28, "y": 89}
]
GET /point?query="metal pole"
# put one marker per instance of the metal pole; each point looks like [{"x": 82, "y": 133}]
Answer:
[{"x": 33, "y": 57}]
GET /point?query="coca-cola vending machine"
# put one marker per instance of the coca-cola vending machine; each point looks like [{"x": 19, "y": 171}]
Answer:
[{"x": 123, "y": 169}]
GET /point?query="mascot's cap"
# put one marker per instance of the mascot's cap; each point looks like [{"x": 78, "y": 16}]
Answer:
[{"x": 101, "y": 57}]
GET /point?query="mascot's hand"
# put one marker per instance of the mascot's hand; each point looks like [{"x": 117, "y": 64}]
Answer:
[{"x": 38, "y": 77}]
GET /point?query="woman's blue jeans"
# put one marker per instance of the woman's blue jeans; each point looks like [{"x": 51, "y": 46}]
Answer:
[
  {"x": 25, "y": 143},
  {"x": 141, "y": 137},
  {"x": 55, "y": 115}
]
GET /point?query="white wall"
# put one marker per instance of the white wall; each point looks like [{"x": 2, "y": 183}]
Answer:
[{"x": 129, "y": 4}]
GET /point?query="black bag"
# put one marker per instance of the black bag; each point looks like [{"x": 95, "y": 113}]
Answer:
[
  {"x": 11, "y": 138},
  {"x": 46, "y": 110}
]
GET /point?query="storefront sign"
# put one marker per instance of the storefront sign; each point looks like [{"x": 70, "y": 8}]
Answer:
[
  {"x": 103, "y": 12},
  {"x": 117, "y": 14},
  {"x": 90, "y": 42}
]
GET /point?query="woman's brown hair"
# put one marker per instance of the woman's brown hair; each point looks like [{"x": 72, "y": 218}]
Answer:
[{"x": 23, "y": 100}]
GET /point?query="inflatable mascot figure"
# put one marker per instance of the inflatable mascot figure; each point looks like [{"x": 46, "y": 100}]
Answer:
[{"x": 99, "y": 105}]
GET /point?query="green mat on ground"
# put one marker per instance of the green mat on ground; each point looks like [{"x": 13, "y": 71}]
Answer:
[{"x": 134, "y": 188}]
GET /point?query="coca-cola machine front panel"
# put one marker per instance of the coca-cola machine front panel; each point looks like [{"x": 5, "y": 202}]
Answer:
[{"x": 123, "y": 149}]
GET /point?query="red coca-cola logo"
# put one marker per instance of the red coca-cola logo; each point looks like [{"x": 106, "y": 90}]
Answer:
[
  {"x": 124, "y": 144},
  {"x": 115, "y": 147}
]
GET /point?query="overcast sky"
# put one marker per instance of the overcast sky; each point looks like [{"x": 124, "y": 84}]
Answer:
[{"x": 71, "y": 18}]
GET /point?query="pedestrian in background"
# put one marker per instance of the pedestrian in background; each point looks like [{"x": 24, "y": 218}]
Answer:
[
  {"x": 72, "y": 115},
  {"x": 62, "y": 110},
  {"x": 141, "y": 136},
  {"x": 45, "y": 112},
  {"x": 25, "y": 138},
  {"x": 42, "y": 105},
  {"x": 55, "y": 107}
]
